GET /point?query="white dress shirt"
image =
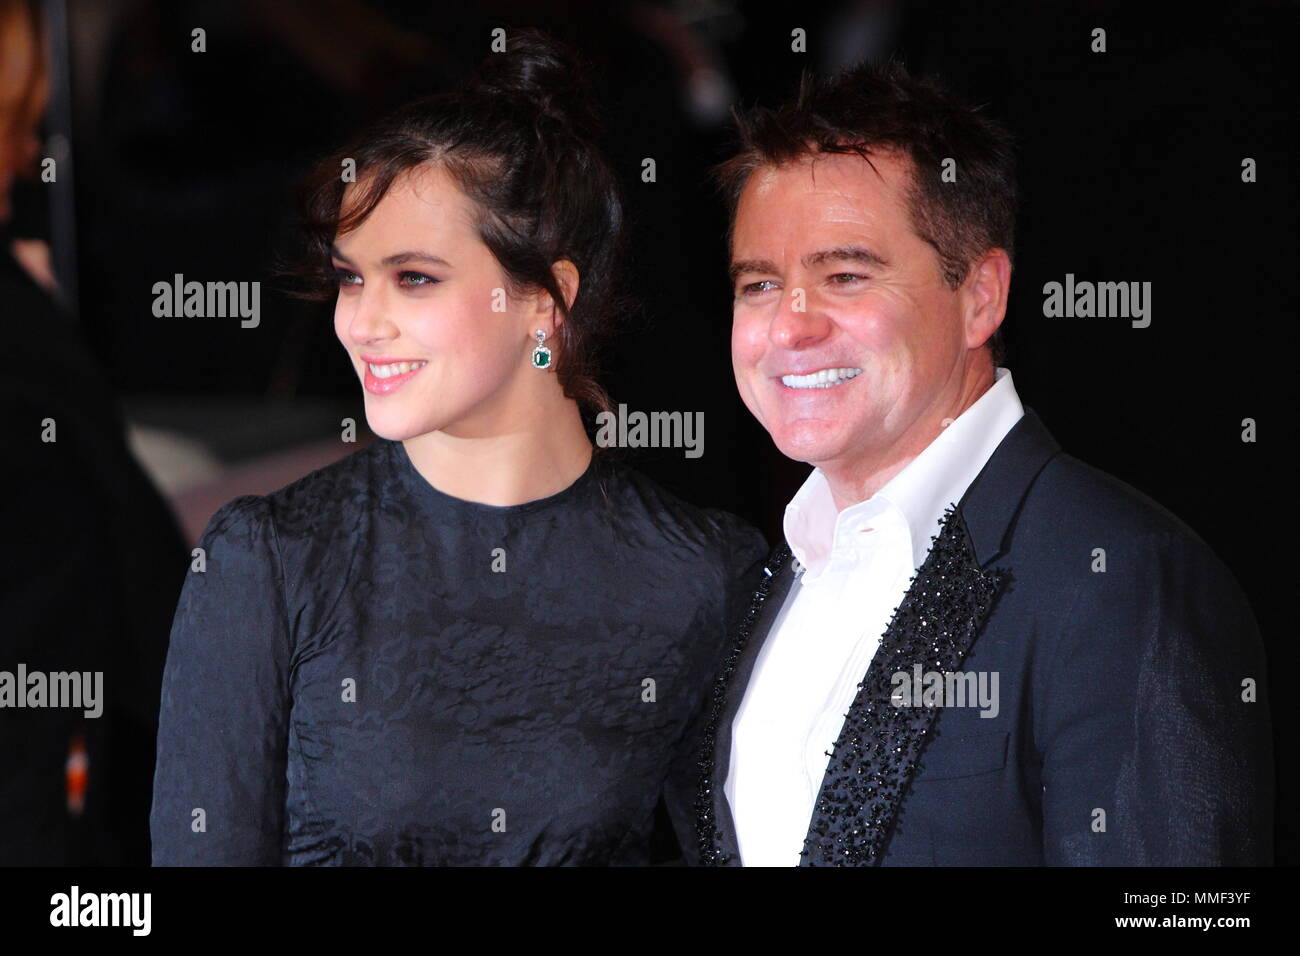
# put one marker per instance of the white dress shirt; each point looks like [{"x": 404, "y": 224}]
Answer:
[{"x": 857, "y": 566}]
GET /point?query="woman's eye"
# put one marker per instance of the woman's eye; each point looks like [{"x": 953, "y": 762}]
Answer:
[
  {"x": 413, "y": 280},
  {"x": 346, "y": 277}
]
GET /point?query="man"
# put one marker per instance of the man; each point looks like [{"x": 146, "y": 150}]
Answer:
[{"x": 974, "y": 649}]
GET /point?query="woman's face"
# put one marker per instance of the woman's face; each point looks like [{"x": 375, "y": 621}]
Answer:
[{"x": 424, "y": 316}]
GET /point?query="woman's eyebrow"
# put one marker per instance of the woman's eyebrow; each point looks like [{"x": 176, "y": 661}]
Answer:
[
  {"x": 402, "y": 258},
  {"x": 397, "y": 258}
]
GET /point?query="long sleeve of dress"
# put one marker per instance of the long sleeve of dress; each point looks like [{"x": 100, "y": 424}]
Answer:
[
  {"x": 219, "y": 787},
  {"x": 745, "y": 552}
]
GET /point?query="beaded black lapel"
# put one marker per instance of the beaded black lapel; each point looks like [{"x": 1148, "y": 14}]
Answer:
[
  {"x": 875, "y": 757},
  {"x": 876, "y": 754}
]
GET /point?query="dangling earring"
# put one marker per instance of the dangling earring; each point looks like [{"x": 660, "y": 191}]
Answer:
[{"x": 541, "y": 354}]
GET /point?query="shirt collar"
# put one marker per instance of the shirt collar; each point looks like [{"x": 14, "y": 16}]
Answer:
[{"x": 921, "y": 492}]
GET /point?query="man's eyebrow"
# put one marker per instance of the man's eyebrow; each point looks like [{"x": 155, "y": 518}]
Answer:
[
  {"x": 742, "y": 266},
  {"x": 397, "y": 258},
  {"x": 839, "y": 254},
  {"x": 846, "y": 254}
]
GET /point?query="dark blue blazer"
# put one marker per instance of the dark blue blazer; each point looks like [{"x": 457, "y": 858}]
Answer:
[{"x": 1133, "y": 724}]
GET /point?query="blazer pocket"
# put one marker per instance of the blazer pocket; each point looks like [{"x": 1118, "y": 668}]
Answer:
[{"x": 952, "y": 757}]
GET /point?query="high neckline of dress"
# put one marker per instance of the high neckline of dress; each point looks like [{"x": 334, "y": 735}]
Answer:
[{"x": 425, "y": 492}]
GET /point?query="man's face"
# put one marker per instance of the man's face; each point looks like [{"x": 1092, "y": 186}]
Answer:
[{"x": 845, "y": 341}]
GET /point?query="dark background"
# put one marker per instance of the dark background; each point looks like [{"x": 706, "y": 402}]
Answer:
[{"x": 1131, "y": 171}]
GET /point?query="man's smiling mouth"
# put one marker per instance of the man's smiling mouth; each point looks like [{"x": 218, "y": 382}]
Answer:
[{"x": 825, "y": 378}]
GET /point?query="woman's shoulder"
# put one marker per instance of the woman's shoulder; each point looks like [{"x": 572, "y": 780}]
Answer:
[
  {"x": 317, "y": 502},
  {"x": 640, "y": 497}
]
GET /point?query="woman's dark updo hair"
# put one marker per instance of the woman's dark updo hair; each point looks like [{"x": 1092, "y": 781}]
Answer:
[{"x": 519, "y": 140}]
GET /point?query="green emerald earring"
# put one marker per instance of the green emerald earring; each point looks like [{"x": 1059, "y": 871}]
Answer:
[{"x": 541, "y": 354}]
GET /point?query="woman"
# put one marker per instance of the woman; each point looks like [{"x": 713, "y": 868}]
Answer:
[
  {"x": 475, "y": 641},
  {"x": 73, "y": 788}
]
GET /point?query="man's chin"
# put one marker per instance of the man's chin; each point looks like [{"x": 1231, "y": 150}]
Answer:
[{"x": 808, "y": 448}]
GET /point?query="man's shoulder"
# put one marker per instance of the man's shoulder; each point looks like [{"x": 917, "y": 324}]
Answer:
[
  {"x": 1075, "y": 490},
  {"x": 1073, "y": 505},
  {"x": 1102, "y": 568}
]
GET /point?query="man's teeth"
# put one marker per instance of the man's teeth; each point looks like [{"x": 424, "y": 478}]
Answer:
[
  {"x": 397, "y": 368},
  {"x": 826, "y": 378}
]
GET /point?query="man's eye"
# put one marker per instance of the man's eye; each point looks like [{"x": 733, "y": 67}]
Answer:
[
  {"x": 844, "y": 278},
  {"x": 755, "y": 288},
  {"x": 413, "y": 280},
  {"x": 346, "y": 277}
]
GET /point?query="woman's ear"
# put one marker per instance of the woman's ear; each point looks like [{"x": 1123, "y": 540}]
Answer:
[{"x": 567, "y": 278}]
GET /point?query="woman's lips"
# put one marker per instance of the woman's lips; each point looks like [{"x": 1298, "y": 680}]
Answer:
[{"x": 384, "y": 386}]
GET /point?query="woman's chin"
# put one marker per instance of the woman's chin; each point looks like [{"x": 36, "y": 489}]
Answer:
[{"x": 383, "y": 426}]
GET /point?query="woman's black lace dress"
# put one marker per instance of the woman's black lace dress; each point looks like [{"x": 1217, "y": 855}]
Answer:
[{"x": 369, "y": 671}]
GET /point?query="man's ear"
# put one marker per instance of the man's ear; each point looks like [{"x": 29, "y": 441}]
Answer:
[
  {"x": 984, "y": 294},
  {"x": 566, "y": 277}
]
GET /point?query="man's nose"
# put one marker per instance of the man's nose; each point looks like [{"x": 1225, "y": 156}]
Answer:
[{"x": 797, "y": 322}]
